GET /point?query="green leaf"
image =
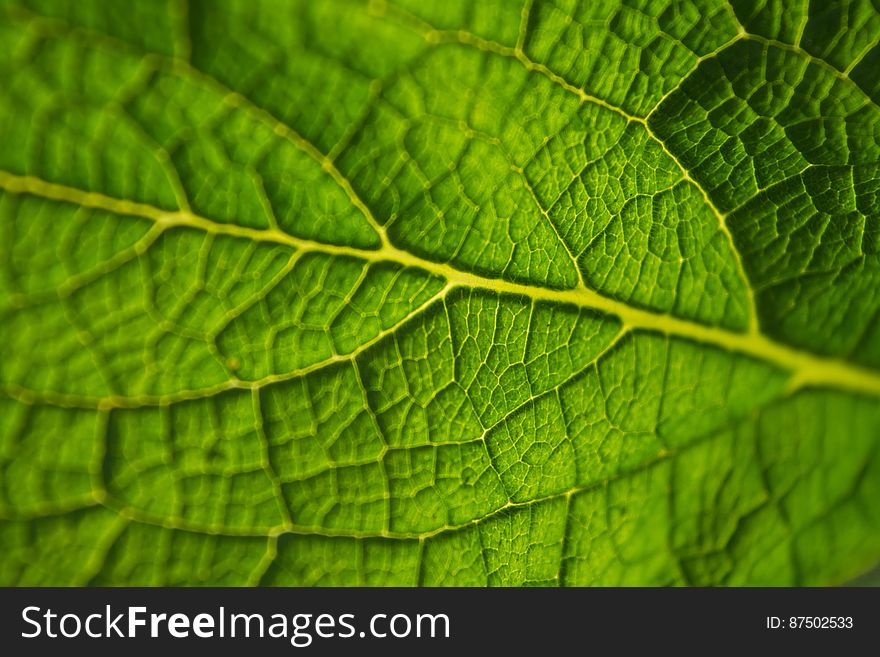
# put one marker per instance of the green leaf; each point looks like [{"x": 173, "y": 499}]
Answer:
[{"x": 439, "y": 292}]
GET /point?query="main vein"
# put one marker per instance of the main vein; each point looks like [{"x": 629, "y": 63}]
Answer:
[{"x": 806, "y": 369}]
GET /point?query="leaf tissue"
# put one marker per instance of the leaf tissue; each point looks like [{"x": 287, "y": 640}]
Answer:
[{"x": 439, "y": 292}]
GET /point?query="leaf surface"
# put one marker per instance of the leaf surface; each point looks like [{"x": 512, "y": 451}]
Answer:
[{"x": 439, "y": 292}]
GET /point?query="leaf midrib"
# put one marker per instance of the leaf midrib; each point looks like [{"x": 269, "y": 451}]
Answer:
[{"x": 806, "y": 369}]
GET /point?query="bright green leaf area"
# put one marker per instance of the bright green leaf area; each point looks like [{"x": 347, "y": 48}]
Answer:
[{"x": 434, "y": 292}]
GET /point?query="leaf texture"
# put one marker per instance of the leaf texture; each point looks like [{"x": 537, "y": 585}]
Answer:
[{"x": 435, "y": 292}]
